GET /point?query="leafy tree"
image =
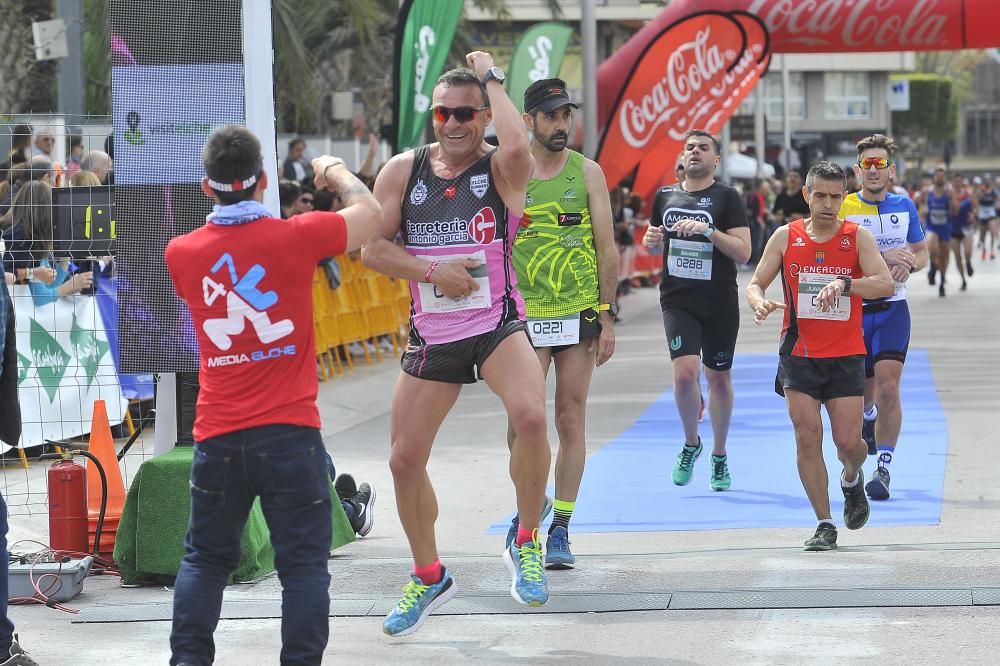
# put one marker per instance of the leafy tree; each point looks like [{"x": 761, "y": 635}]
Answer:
[{"x": 933, "y": 114}]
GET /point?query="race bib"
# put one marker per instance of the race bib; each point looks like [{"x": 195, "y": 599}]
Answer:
[
  {"x": 690, "y": 259},
  {"x": 554, "y": 332},
  {"x": 810, "y": 285},
  {"x": 939, "y": 216},
  {"x": 432, "y": 299}
]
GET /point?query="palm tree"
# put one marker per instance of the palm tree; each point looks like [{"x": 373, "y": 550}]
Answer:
[
  {"x": 96, "y": 58},
  {"x": 323, "y": 46},
  {"x": 26, "y": 85}
]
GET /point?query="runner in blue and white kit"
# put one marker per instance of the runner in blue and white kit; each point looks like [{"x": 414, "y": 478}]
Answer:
[{"x": 894, "y": 222}]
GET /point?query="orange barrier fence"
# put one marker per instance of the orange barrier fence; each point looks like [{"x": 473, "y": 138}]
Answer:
[{"x": 367, "y": 307}]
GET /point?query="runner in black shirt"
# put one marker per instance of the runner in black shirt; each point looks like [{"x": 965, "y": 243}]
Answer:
[{"x": 701, "y": 227}]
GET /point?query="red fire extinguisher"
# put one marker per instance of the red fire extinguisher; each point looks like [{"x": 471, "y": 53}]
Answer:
[{"x": 68, "y": 505}]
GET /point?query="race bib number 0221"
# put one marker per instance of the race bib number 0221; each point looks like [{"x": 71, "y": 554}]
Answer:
[{"x": 555, "y": 332}]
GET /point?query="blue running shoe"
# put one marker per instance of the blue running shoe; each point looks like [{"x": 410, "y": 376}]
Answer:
[
  {"x": 418, "y": 602},
  {"x": 527, "y": 579},
  {"x": 514, "y": 524},
  {"x": 557, "y": 553}
]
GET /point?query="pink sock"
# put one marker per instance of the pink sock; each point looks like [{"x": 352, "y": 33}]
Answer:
[
  {"x": 431, "y": 573},
  {"x": 523, "y": 536}
]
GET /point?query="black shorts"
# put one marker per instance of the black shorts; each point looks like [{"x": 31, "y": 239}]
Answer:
[
  {"x": 707, "y": 331},
  {"x": 458, "y": 362},
  {"x": 590, "y": 327},
  {"x": 821, "y": 378}
]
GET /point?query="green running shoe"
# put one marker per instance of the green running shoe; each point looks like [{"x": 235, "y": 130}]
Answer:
[
  {"x": 685, "y": 464},
  {"x": 720, "y": 473}
]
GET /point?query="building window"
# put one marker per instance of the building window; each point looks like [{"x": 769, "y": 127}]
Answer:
[
  {"x": 773, "y": 100},
  {"x": 982, "y": 132},
  {"x": 846, "y": 95}
]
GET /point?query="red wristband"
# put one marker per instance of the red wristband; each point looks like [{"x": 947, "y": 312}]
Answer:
[{"x": 430, "y": 269}]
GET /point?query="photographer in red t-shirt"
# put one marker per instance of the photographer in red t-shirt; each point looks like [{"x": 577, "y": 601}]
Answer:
[{"x": 247, "y": 278}]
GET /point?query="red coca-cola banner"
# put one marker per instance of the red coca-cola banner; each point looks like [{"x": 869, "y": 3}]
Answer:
[
  {"x": 657, "y": 166},
  {"x": 823, "y": 26},
  {"x": 690, "y": 76}
]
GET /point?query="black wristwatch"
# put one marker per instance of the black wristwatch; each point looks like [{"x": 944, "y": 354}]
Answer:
[
  {"x": 611, "y": 308},
  {"x": 494, "y": 74},
  {"x": 847, "y": 285}
]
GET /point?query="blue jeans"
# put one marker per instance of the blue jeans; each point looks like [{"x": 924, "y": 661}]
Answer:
[
  {"x": 6, "y": 626},
  {"x": 286, "y": 466}
]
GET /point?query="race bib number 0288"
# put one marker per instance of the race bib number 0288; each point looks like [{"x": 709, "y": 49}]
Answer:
[{"x": 690, "y": 259}]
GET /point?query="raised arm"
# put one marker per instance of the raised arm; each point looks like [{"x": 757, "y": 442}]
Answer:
[
  {"x": 361, "y": 211},
  {"x": 513, "y": 163}
]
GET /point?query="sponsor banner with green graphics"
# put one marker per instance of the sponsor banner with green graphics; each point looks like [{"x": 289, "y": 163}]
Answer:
[
  {"x": 538, "y": 56},
  {"x": 423, "y": 41},
  {"x": 64, "y": 364}
]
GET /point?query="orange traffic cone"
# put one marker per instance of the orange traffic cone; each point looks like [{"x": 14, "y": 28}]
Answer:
[{"x": 102, "y": 445}]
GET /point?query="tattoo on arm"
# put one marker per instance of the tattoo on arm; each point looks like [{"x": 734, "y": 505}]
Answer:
[{"x": 349, "y": 186}]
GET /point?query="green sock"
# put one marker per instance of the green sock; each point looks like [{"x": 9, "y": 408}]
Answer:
[{"x": 562, "y": 511}]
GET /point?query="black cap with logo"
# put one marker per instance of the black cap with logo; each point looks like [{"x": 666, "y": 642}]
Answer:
[{"x": 547, "y": 95}]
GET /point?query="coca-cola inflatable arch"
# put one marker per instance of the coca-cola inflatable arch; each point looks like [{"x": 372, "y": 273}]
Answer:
[{"x": 692, "y": 65}]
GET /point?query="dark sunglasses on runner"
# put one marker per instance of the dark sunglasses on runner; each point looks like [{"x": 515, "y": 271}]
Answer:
[
  {"x": 877, "y": 162},
  {"x": 463, "y": 114}
]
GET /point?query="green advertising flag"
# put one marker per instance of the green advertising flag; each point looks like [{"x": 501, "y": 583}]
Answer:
[
  {"x": 423, "y": 40},
  {"x": 538, "y": 56}
]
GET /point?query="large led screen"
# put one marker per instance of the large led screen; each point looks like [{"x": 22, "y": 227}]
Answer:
[{"x": 177, "y": 74}]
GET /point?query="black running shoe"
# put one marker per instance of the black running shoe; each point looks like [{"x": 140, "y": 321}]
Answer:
[
  {"x": 878, "y": 487},
  {"x": 868, "y": 434},
  {"x": 968, "y": 267},
  {"x": 345, "y": 486},
  {"x": 364, "y": 502},
  {"x": 941, "y": 290},
  {"x": 963, "y": 287},
  {"x": 856, "y": 509},
  {"x": 931, "y": 275},
  {"x": 824, "y": 539}
]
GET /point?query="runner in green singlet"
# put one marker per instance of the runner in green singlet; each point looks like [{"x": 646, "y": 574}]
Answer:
[{"x": 567, "y": 272}]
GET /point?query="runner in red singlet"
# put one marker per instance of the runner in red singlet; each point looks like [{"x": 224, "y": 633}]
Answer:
[{"x": 827, "y": 266}]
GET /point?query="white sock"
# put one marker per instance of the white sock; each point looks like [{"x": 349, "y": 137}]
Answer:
[
  {"x": 845, "y": 484},
  {"x": 870, "y": 414},
  {"x": 828, "y": 521}
]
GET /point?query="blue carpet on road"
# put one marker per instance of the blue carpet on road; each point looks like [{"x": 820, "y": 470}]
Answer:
[{"x": 627, "y": 486}]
